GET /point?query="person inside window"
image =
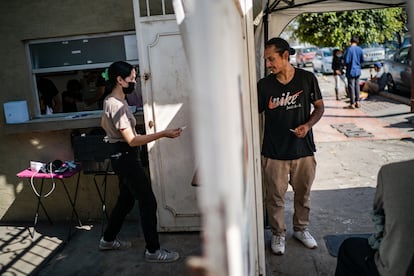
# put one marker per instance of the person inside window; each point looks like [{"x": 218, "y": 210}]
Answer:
[
  {"x": 50, "y": 101},
  {"x": 72, "y": 96},
  {"x": 99, "y": 89}
]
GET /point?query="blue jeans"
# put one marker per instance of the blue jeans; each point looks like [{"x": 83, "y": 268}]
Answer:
[
  {"x": 133, "y": 185},
  {"x": 353, "y": 87},
  {"x": 343, "y": 79}
]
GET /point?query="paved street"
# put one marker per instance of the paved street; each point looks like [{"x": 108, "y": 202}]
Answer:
[{"x": 341, "y": 200}]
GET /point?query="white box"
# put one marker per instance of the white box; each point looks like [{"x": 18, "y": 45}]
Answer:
[
  {"x": 16, "y": 112},
  {"x": 35, "y": 166}
]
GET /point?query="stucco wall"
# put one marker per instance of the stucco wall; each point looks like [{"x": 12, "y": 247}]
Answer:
[{"x": 23, "y": 20}]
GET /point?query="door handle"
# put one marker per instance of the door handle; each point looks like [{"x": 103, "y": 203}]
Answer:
[{"x": 150, "y": 124}]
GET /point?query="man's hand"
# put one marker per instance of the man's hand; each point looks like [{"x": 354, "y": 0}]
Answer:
[{"x": 301, "y": 131}]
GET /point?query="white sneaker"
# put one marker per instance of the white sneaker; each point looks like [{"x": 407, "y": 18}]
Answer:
[
  {"x": 306, "y": 238},
  {"x": 278, "y": 244},
  {"x": 162, "y": 255},
  {"x": 114, "y": 245}
]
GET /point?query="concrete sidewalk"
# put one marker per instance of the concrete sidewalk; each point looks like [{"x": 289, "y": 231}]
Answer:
[{"x": 341, "y": 200}]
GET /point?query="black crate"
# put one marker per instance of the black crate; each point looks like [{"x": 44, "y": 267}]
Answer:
[{"x": 92, "y": 152}]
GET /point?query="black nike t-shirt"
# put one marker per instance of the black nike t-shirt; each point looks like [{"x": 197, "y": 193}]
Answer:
[{"x": 287, "y": 106}]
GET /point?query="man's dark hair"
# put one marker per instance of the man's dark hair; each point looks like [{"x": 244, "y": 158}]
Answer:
[
  {"x": 280, "y": 44},
  {"x": 355, "y": 39}
]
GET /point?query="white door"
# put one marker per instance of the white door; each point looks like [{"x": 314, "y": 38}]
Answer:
[{"x": 165, "y": 91}]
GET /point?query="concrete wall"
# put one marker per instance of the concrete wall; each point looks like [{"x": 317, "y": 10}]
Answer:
[{"x": 25, "y": 20}]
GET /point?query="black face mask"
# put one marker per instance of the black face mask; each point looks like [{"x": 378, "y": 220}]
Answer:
[{"x": 130, "y": 88}]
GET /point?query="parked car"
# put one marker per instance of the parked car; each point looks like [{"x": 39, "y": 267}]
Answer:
[
  {"x": 292, "y": 60},
  {"x": 406, "y": 40},
  {"x": 322, "y": 61},
  {"x": 304, "y": 56},
  {"x": 372, "y": 53},
  {"x": 398, "y": 70}
]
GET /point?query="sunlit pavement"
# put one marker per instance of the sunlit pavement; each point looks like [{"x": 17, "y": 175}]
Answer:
[{"x": 383, "y": 118}]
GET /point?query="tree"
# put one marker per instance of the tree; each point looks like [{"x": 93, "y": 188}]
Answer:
[{"x": 335, "y": 29}]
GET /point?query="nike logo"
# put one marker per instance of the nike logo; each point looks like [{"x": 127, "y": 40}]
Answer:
[{"x": 285, "y": 99}]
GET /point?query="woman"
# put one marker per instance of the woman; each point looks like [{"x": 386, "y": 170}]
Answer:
[
  {"x": 119, "y": 125},
  {"x": 338, "y": 67},
  {"x": 49, "y": 97}
]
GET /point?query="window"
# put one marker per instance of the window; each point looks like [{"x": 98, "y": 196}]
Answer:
[
  {"x": 154, "y": 8},
  {"x": 67, "y": 72}
]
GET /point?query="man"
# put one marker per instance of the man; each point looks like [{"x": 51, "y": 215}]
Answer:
[
  {"x": 377, "y": 82},
  {"x": 286, "y": 96},
  {"x": 390, "y": 251},
  {"x": 354, "y": 57}
]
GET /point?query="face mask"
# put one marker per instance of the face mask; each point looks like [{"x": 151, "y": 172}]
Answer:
[
  {"x": 129, "y": 89},
  {"x": 339, "y": 55}
]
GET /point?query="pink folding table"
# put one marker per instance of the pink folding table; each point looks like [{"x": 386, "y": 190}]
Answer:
[{"x": 32, "y": 175}]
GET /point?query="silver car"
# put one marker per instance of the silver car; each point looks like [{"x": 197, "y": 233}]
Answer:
[
  {"x": 322, "y": 62},
  {"x": 398, "y": 70},
  {"x": 292, "y": 60},
  {"x": 372, "y": 53}
]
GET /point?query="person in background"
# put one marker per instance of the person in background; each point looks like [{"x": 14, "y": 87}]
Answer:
[
  {"x": 354, "y": 57},
  {"x": 338, "y": 68},
  {"x": 71, "y": 96},
  {"x": 286, "y": 97},
  {"x": 377, "y": 82},
  {"x": 100, "y": 93},
  {"x": 389, "y": 251},
  {"x": 133, "y": 99},
  {"x": 119, "y": 124},
  {"x": 50, "y": 101}
]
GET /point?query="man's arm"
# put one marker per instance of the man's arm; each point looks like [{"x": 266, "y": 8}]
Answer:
[
  {"x": 316, "y": 115},
  {"x": 377, "y": 214},
  {"x": 317, "y": 112},
  {"x": 346, "y": 57},
  {"x": 260, "y": 104},
  {"x": 378, "y": 203}
]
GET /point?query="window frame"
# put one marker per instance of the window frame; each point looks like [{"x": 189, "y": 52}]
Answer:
[{"x": 131, "y": 57}]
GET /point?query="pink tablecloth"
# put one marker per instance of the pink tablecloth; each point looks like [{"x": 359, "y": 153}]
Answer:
[{"x": 27, "y": 173}]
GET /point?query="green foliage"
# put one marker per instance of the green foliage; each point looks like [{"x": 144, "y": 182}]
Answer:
[{"x": 335, "y": 29}]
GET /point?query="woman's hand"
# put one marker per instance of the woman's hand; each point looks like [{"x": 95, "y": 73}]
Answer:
[
  {"x": 139, "y": 140},
  {"x": 172, "y": 133}
]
